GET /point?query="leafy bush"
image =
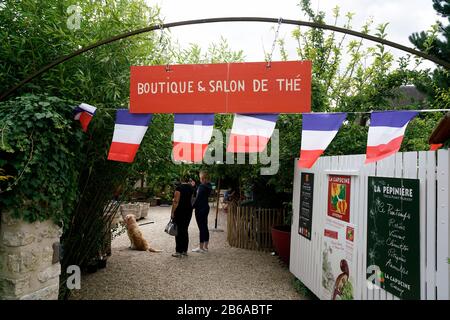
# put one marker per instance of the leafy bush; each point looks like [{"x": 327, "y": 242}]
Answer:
[
  {"x": 303, "y": 290},
  {"x": 347, "y": 291},
  {"x": 40, "y": 148}
]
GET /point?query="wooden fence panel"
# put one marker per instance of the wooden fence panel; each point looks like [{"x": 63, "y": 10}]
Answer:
[
  {"x": 430, "y": 234},
  {"x": 434, "y": 219},
  {"x": 251, "y": 228}
]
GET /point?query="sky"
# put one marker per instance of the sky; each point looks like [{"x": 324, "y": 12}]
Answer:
[{"x": 256, "y": 38}]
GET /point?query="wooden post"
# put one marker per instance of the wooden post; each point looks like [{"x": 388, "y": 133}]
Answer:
[
  {"x": 240, "y": 190},
  {"x": 239, "y": 226},
  {"x": 217, "y": 203},
  {"x": 217, "y": 208}
]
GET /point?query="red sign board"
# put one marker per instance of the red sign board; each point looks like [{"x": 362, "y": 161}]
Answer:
[
  {"x": 339, "y": 197},
  {"x": 253, "y": 87},
  {"x": 330, "y": 234}
]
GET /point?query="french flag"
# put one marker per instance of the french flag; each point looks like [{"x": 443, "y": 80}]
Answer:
[
  {"x": 84, "y": 112},
  {"x": 386, "y": 132},
  {"x": 318, "y": 130},
  {"x": 191, "y": 135},
  {"x": 435, "y": 146},
  {"x": 251, "y": 132},
  {"x": 129, "y": 130}
]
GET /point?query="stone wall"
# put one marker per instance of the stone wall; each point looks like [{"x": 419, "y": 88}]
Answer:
[{"x": 27, "y": 268}]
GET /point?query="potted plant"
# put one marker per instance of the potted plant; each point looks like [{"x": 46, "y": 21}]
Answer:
[{"x": 281, "y": 236}]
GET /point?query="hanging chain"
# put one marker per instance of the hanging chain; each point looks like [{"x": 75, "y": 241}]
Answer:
[
  {"x": 163, "y": 45},
  {"x": 280, "y": 20}
]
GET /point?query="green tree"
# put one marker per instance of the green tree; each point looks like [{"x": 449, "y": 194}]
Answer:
[
  {"x": 436, "y": 42},
  {"x": 40, "y": 152},
  {"x": 368, "y": 81},
  {"x": 34, "y": 33}
]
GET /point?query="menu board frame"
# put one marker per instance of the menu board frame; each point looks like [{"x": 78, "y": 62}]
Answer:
[
  {"x": 306, "y": 204},
  {"x": 393, "y": 235}
]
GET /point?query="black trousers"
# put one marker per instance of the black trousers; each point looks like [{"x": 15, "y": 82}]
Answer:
[
  {"x": 182, "y": 239},
  {"x": 201, "y": 216}
]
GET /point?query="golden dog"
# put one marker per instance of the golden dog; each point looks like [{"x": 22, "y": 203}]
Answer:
[{"x": 137, "y": 240}]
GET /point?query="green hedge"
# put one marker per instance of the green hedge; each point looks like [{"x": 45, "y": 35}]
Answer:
[{"x": 40, "y": 147}]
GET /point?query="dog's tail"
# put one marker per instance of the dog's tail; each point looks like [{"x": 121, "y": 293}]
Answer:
[{"x": 153, "y": 250}]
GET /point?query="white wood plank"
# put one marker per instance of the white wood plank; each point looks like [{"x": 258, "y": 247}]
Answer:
[
  {"x": 334, "y": 163},
  {"x": 422, "y": 174},
  {"x": 315, "y": 256},
  {"x": 410, "y": 171},
  {"x": 322, "y": 194},
  {"x": 410, "y": 165},
  {"x": 295, "y": 255},
  {"x": 314, "y": 228},
  {"x": 349, "y": 161},
  {"x": 362, "y": 286},
  {"x": 305, "y": 253},
  {"x": 309, "y": 260},
  {"x": 346, "y": 162},
  {"x": 311, "y": 246},
  {"x": 443, "y": 226},
  {"x": 304, "y": 248},
  {"x": 398, "y": 165},
  {"x": 431, "y": 227},
  {"x": 385, "y": 168},
  {"x": 298, "y": 253},
  {"x": 369, "y": 170},
  {"x": 295, "y": 241},
  {"x": 304, "y": 258},
  {"x": 356, "y": 162}
]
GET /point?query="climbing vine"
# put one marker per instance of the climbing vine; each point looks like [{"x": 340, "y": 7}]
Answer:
[{"x": 39, "y": 157}]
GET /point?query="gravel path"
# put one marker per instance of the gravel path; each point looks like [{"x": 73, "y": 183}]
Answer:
[{"x": 222, "y": 273}]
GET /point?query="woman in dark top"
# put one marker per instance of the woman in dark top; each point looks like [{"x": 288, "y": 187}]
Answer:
[
  {"x": 201, "y": 206},
  {"x": 182, "y": 214}
]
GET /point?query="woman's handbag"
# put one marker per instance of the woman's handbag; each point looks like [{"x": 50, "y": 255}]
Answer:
[{"x": 171, "y": 228}]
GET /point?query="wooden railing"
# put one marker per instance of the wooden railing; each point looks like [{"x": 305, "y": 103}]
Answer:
[{"x": 250, "y": 227}]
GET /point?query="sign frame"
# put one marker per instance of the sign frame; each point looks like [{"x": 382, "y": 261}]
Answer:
[
  {"x": 244, "y": 87},
  {"x": 393, "y": 235},
  {"x": 306, "y": 203},
  {"x": 338, "y": 197}
]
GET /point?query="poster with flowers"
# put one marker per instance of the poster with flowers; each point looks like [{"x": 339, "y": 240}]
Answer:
[
  {"x": 338, "y": 260},
  {"x": 339, "y": 197}
]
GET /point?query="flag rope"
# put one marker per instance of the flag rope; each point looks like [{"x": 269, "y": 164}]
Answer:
[{"x": 312, "y": 112}]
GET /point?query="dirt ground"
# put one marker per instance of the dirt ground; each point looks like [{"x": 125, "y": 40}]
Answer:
[{"x": 222, "y": 273}]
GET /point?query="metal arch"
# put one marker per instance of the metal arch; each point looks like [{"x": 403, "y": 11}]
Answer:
[{"x": 225, "y": 19}]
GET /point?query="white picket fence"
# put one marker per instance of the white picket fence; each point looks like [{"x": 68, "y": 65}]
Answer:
[{"x": 432, "y": 168}]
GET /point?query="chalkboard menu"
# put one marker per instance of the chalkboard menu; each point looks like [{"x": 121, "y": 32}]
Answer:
[
  {"x": 393, "y": 235},
  {"x": 306, "y": 204}
]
